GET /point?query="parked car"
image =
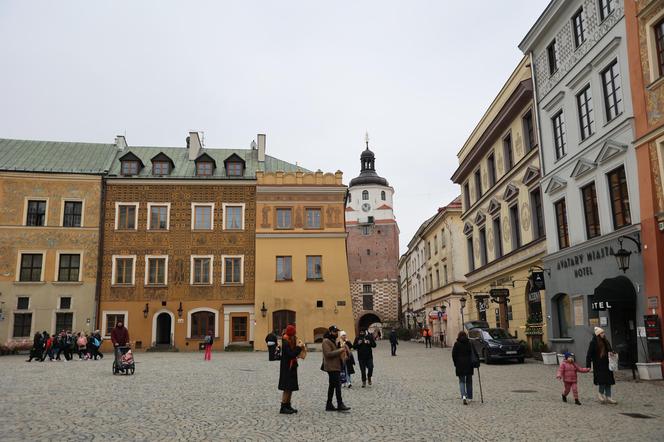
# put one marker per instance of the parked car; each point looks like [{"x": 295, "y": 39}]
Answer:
[{"x": 494, "y": 344}]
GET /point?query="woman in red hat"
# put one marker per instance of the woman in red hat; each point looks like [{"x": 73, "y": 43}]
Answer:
[{"x": 291, "y": 347}]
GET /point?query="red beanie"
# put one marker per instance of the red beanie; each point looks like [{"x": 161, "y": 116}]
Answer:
[{"x": 290, "y": 330}]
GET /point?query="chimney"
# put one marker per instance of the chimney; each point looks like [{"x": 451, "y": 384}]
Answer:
[
  {"x": 194, "y": 145},
  {"x": 121, "y": 142},
  {"x": 261, "y": 147}
]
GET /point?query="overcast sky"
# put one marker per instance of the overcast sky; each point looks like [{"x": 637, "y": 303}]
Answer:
[{"x": 312, "y": 75}]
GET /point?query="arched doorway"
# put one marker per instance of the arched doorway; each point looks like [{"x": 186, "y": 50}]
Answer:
[
  {"x": 370, "y": 321},
  {"x": 163, "y": 327},
  {"x": 319, "y": 333}
]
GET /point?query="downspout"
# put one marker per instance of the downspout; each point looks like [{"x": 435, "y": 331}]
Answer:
[{"x": 100, "y": 249}]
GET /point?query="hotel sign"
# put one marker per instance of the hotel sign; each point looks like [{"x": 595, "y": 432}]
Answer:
[{"x": 581, "y": 263}]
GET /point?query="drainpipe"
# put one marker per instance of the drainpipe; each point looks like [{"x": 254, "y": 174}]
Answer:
[{"x": 100, "y": 256}]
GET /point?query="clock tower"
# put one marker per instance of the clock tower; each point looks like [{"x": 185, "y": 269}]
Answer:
[{"x": 372, "y": 246}]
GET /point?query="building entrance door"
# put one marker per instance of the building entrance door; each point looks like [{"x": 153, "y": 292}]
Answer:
[{"x": 163, "y": 329}]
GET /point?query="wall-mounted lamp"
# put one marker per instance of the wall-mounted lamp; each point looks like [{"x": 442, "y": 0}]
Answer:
[
  {"x": 146, "y": 310},
  {"x": 180, "y": 310},
  {"x": 263, "y": 310},
  {"x": 622, "y": 255}
]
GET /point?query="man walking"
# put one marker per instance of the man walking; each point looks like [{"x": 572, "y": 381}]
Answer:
[
  {"x": 394, "y": 341},
  {"x": 271, "y": 340},
  {"x": 363, "y": 344},
  {"x": 332, "y": 360}
]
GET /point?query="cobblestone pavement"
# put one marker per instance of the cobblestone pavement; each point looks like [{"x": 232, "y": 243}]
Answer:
[{"x": 178, "y": 396}]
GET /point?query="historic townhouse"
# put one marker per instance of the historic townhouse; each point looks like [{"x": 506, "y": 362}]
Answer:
[
  {"x": 301, "y": 264},
  {"x": 589, "y": 175},
  {"x": 179, "y": 243},
  {"x": 444, "y": 248},
  {"x": 373, "y": 246},
  {"x": 412, "y": 273},
  {"x": 645, "y": 51},
  {"x": 499, "y": 171},
  {"x": 50, "y": 195}
]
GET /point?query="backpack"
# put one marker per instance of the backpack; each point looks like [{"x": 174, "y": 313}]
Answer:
[{"x": 208, "y": 339}]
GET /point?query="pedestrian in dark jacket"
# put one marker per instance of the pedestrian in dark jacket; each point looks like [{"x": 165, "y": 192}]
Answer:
[
  {"x": 598, "y": 354},
  {"x": 209, "y": 340},
  {"x": 465, "y": 360},
  {"x": 291, "y": 348},
  {"x": 272, "y": 341},
  {"x": 37, "y": 347},
  {"x": 333, "y": 358},
  {"x": 95, "y": 342},
  {"x": 364, "y": 344},
  {"x": 394, "y": 341},
  {"x": 119, "y": 338}
]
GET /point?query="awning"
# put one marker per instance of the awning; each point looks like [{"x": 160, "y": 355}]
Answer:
[{"x": 613, "y": 292}]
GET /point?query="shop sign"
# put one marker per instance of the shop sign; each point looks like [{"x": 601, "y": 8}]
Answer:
[
  {"x": 652, "y": 302},
  {"x": 538, "y": 280},
  {"x": 483, "y": 305},
  {"x": 534, "y": 296},
  {"x": 581, "y": 262},
  {"x": 601, "y": 305},
  {"x": 497, "y": 293},
  {"x": 652, "y": 327}
]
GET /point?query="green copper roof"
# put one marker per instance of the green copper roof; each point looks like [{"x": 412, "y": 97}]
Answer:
[
  {"x": 55, "y": 156},
  {"x": 183, "y": 167}
]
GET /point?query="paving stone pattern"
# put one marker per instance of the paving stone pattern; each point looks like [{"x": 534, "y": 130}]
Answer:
[{"x": 234, "y": 397}]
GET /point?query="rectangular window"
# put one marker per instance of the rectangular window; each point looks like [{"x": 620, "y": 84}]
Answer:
[
  {"x": 284, "y": 268},
  {"x": 445, "y": 274},
  {"x": 129, "y": 168},
  {"x": 366, "y": 288},
  {"x": 202, "y": 271},
  {"x": 36, "y": 213},
  {"x": 478, "y": 185},
  {"x": 73, "y": 213},
  {"x": 589, "y": 196},
  {"x": 22, "y": 325},
  {"x": 559, "y": 134},
  {"x": 585, "y": 108},
  {"x": 529, "y": 131},
  {"x": 313, "y": 218},
  {"x": 507, "y": 152},
  {"x": 239, "y": 325},
  {"x": 65, "y": 303},
  {"x": 497, "y": 238},
  {"x": 515, "y": 227},
  {"x": 234, "y": 169},
  {"x": 160, "y": 168},
  {"x": 491, "y": 166},
  {"x": 613, "y": 104},
  {"x": 366, "y": 230},
  {"x": 483, "y": 252},
  {"x": 112, "y": 320},
  {"x": 126, "y": 217},
  {"x": 64, "y": 321},
  {"x": 232, "y": 270},
  {"x": 367, "y": 302},
  {"x": 203, "y": 216},
  {"x": 69, "y": 267},
  {"x": 158, "y": 217},
  {"x": 659, "y": 45},
  {"x": 284, "y": 219},
  {"x": 124, "y": 271},
  {"x": 619, "y": 198},
  {"x": 435, "y": 244},
  {"x": 561, "y": 222},
  {"x": 605, "y": 8},
  {"x": 538, "y": 213},
  {"x": 314, "y": 267},
  {"x": 552, "y": 58},
  {"x": 471, "y": 254},
  {"x": 233, "y": 217},
  {"x": 156, "y": 271},
  {"x": 23, "y": 303},
  {"x": 466, "y": 196},
  {"x": 437, "y": 278},
  {"x": 31, "y": 267},
  {"x": 204, "y": 168},
  {"x": 579, "y": 27},
  {"x": 319, "y": 304}
]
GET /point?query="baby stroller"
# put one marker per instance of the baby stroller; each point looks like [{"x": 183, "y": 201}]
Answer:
[{"x": 124, "y": 361}]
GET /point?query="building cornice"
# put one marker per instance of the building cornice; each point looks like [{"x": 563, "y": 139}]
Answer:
[
  {"x": 51, "y": 176},
  {"x": 177, "y": 181},
  {"x": 541, "y": 25}
]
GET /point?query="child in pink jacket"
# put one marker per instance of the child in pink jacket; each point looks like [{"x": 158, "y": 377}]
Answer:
[{"x": 567, "y": 372}]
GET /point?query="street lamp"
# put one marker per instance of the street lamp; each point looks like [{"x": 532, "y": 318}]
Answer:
[
  {"x": 146, "y": 310},
  {"x": 263, "y": 310},
  {"x": 622, "y": 255},
  {"x": 180, "y": 310},
  {"x": 462, "y": 301}
]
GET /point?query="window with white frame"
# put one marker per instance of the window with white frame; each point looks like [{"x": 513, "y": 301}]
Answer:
[
  {"x": 124, "y": 269},
  {"x": 233, "y": 216},
  {"x": 202, "y": 216},
  {"x": 126, "y": 216},
  {"x": 69, "y": 267},
  {"x": 111, "y": 319},
  {"x": 36, "y": 212},
  {"x": 613, "y": 104},
  {"x": 201, "y": 269},
  {"x": 31, "y": 265},
  {"x": 156, "y": 270},
  {"x": 559, "y": 138},
  {"x": 158, "y": 216},
  {"x": 585, "y": 108},
  {"x": 72, "y": 213},
  {"x": 233, "y": 269}
]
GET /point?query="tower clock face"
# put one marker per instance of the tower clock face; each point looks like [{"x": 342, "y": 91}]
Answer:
[{"x": 366, "y": 207}]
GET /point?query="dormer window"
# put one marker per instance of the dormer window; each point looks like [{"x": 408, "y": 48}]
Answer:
[
  {"x": 234, "y": 169},
  {"x": 204, "y": 168},
  {"x": 129, "y": 168},
  {"x": 161, "y": 168}
]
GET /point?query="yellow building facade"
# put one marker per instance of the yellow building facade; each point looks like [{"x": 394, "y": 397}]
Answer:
[
  {"x": 503, "y": 224},
  {"x": 301, "y": 264}
]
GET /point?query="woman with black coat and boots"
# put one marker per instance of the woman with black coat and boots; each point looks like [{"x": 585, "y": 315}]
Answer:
[
  {"x": 291, "y": 348},
  {"x": 598, "y": 355},
  {"x": 465, "y": 361}
]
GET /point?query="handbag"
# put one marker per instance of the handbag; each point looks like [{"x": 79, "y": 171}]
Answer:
[
  {"x": 474, "y": 359},
  {"x": 613, "y": 361}
]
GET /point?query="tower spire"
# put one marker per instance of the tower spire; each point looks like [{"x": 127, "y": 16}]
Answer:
[{"x": 366, "y": 138}]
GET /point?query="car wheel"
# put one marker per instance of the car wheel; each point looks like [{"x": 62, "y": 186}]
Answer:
[{"x": 485, "y": 356}]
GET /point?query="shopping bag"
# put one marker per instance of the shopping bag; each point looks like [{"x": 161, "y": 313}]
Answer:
[{"x": 613, "y": 361}]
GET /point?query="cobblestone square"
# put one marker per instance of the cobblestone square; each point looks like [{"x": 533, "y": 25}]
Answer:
[{"x": 178, "y": 396}]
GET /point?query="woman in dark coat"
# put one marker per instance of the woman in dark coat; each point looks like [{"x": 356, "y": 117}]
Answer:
[
  {"x": 465, "y": 360},
  {"x": 598, "y": 355},
  {"x": 290, "y": 349}
]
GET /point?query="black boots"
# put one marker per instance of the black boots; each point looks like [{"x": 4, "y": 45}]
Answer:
[
  {"x": 291, "y": 408},
  {"x": 285, "y": 409},
  {"x": 342, "y": 407},
  {"x": 330, "y": 407},
  {"x": 576, "y": 401},
  {"x": 564, "y": 398}
]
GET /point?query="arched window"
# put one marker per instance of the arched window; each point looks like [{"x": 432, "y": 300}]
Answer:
[
  {"x": 319, "y": 333},
  {"x": 365, "y": 195},
  {"x": 281, "y": 319},
  {"x": 201, "y": 324},
  {"x": 562, "y": 310},
  {"x": 382, "y": 195}
]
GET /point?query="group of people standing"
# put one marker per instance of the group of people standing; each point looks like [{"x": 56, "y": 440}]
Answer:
[
  {"x": 338, "y": 362},
  {"x": 66, "y": 343}
]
